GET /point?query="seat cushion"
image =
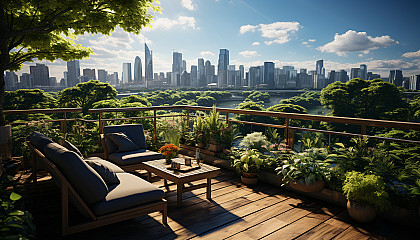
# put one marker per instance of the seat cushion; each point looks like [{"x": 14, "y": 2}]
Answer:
[
  {"x": 106, "y": 163},
  {"x": 133, "y": 157},
  {"x": 84, "y": 179},
  {"x": 71, "y": 147},
  {"x": 123, "y": 142},
  {"x": 134, "y": 131},
  {"x": 39, "y": 140},
  {"x": 109, "y": 176},
  {"x": 132, "y": 191}
]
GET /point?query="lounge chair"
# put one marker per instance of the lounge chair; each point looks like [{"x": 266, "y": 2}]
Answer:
[
  {"x": 97, "y": 188},
  {"x": 128, "y": 160}
]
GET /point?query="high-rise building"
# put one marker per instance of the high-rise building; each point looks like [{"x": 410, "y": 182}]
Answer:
[
  {"x": 291, "y": 76},
  {"x": 344, "y": 77},
  {"x": 11, "y": 81},
  {"x": 209, "y": 75},
  {"x": 26, "y": 80},
  {"x": 396, "y": 77},
  {"x": 303, "y": 80},
  {"x": 319, "y": 67},
  {"x": 126, "y": 74},
  {"x": 371, "y": 76},
  {"x": 89, "y": 74},
  {"x": 73, "y": 73},
  {"x": 102, "y": 74},
  {"x": 184, "y": 66},
  {"x": 363, "y": 71},
  {"x": 255, "y": 76},
  {"x": 241, "y": 75},
  {"x": 222, "y": 68},
  {"x": 355, "y": 73},
  {"x": 415, "y": 82},
  {"x": 269, "y": 74},
  {"x": 148, "y": 58},
  {"x": 231, "y": 75},
  {"x": 53, "y": 81},
  {"x": 201, "y": 73},
  {"x": 185, "y": 79},
  {"x": 176, "y": 68},
  {"x": 193, "y": 76},
  {"x": 113, "y": 78},
  {"x": 138, "y": 73},
  {"x": 41, "y": 74}
]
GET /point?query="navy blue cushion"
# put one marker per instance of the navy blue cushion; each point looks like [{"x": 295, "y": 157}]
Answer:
[
  {"x": 84, "y": 179},
  {"x": 131, "y": 192},
  {"x": 109, "y": 176},
  {"x": 123, "y": 142},
  {"x": 71, "y": 147},
  {"x": 134, "y": 131},
  {"x": 134, "y": 157},
  {"x": 39, "y": 140}
]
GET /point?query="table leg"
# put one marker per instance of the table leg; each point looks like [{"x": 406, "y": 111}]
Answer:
[
  {"x": 149, "y": 176},
  {"x": 180, "y": 187},
  {"x": 208, "y": 188}
]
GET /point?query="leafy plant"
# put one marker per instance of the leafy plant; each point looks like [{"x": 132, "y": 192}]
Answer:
[
  {"x": 249, "y": 162},
  {"x": 366, "y": 190},
  {"x": 305, "y": 168},
  {"x": 200, "y": 128},
  {"x": 229, "y": 135},
  {"x": 255, "y": 140},
  {"x": 215, "y": 125},
  {"x": 310, "y": 140}
]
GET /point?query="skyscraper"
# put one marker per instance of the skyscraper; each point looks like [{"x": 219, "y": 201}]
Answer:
[
  {"x": 241, "y": 74},
  {"x": 137, "y": 71},
  {"x": 176, "y": 68},
  {"x": 269, "y": 74},
  {"x": 89, "y": 74},
  {"x": 40, "y": 74},
  {"x": 319, "y": 66},
  {"x": 201, "y": 73},
  {"x": 10, "y": 81},
  {"x": 193, "y": 76},
  {"x": 26, "y": 80},
  {"x": 102, "y": 74},
  {"x": 184, "y": 66},
  {"x": 73, "y": 73},
  {"x": 148, "y": 58},
  {"x": 222, "y": 67},
  {"x": 415, "y": 82},
  {"x": 396, "y": 77},
  {"x": 363, "y": 71},
  {"x": 126, "y": 74},
  {"x": 355, "y": 73}
]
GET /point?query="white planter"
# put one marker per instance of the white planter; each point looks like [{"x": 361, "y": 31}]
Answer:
[{"x": 5, "y": 141}]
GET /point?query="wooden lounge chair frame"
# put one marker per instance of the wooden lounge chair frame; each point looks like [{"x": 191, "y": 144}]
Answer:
[{"x": 97, "y": 221}]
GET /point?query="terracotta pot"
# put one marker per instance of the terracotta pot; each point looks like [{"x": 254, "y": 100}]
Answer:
[
  {"x": 361, "y": 213},
  {"x": 5, "y": 141},
  {"x": 249, "y": 178},
  {"x": 201, "y": 145},
  {"x": 215, "y": 147},
  {"x": 312, "y": 187}
]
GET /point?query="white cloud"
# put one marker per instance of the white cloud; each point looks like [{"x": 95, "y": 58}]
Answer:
[
  {"x": 305, "y": 43},
  {"x": 353, "y": 41},
  {"x": 188, "y": 4},
  {"x": 166, "y": 23},
  {"x": 279, "y": 32},
  {"x": 412, "y": 54},
  {"x": 206, "y": 53},
  {"x": 248, "y": 54},
  {"x": 361, "y": 55},
  {"x": 255, "y": 43},
  {"x": 311, "y": 40},
  {"x": 247, "y": 28}
]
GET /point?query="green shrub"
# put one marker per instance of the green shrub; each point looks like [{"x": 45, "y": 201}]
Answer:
[
  {"x": 249, "y": 162},
  {"x": 254, "y": 140},
  {"x": 366, "y": 190}
]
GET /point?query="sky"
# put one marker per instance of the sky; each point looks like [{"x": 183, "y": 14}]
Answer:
[{"x": 384, "y": 35}]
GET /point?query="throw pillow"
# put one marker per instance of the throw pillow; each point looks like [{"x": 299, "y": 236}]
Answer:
[
  {"x": 123, "y": 142},
  {"x": 71, "y": 147},
  {"x": 109, "y": 176}
]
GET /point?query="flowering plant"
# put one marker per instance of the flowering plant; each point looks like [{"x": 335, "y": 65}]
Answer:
[{"x": 169, "y": 151}]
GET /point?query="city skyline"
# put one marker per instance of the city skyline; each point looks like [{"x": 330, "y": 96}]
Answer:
[{"x": 256, "y": 32}]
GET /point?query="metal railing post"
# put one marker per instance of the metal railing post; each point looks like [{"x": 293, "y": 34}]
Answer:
[{"x": 154, "y": 124}]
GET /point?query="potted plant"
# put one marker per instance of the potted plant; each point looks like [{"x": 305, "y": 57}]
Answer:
[
  {"x": 200, "y": 129},
  {"x": 229, "y": 135},
  {"x": 248, "y": 166},
  {"x": 215, "y": 126},
  {"x": 169, "y": 151},
  {"x": 365, "y": 194},
  {"x": 305, "y": 172}
]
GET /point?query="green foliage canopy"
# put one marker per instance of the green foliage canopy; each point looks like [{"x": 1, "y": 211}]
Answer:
[{"x": 33, "y": 29}]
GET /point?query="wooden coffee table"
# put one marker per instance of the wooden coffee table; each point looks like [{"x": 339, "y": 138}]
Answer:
[{"x": 159, "y": 168}]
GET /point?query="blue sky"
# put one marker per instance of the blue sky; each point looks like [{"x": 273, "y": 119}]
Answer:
[{"x": 382, "y": 34}]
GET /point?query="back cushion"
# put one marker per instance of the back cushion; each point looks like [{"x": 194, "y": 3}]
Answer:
[
  {"x": 39, "y": 140},
  {"x": 71, "y": 147},
  {"x": 134, "y": 131},
  {"x": 87, "y": 183}
]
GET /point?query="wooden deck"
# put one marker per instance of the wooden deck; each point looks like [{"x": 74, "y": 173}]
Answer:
[{"x": 235, "y": 212}]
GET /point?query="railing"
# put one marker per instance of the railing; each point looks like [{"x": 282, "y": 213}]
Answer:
[
  {"x": 63, "y": 121},
  {"x": 289, "y": 130}
]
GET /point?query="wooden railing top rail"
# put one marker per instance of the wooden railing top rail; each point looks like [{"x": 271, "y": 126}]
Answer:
[
  {"x": 333, "y": 119},
  {"x": 35, "y": 111}
]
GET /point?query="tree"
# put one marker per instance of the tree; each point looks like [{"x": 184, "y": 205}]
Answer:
[
  {"x": 34, "y": 29},
  {"x": 136, "y": 98},
  {"x": 258, "y": 97},
  {"x": 85, "y": 94},
  {"x": 360, "y": 98}
]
